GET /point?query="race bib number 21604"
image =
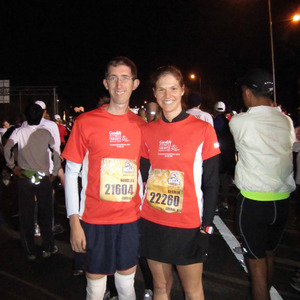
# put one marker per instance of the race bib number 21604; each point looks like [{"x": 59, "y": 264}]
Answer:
[{"x": 118, "y": 179}]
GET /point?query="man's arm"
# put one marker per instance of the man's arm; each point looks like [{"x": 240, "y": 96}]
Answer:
[{"x": 77, "y": 236}]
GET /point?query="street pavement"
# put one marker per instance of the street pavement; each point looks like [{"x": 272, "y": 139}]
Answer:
[{"x": 224, "y": 275}]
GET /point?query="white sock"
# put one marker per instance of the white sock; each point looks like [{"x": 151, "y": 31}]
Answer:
[
  {"x": 95, "y": 288},
  {"x": 125, "y": 286}
]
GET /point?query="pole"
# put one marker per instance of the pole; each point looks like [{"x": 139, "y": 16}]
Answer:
[
  {"x": 272, "y": 49},
  {"x": 54, "y": 101}
]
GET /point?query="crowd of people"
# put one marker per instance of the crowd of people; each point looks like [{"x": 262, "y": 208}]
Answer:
[{"x": 149, "y": 182}]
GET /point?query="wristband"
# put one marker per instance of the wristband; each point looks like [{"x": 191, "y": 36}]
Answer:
[{"x": 207, "y": 229}]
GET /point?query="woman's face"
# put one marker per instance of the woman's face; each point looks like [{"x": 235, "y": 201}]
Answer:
[{"x": 168, "y": 93}]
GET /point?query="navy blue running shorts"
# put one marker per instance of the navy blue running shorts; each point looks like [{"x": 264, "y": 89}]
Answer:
[
  {"x": 260, "y": 224},
  {"x": 177, "y": 246},
  {"x": 109, "y": 247}
]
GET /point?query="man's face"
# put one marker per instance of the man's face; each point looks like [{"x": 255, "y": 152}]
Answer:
[{"x": 120, "y": 84}]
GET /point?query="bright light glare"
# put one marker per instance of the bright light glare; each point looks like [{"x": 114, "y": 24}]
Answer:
[
  {"x": 192, "y": 76},
  {"x": 296, "y": 18}
]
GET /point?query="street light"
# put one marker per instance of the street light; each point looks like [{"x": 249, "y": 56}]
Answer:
[
  {"x": 194, "y": 77},
  {"x": 296, "y": 18},
  {"x": 57, "y": 102},
  {"x": 272, "y": 48}
]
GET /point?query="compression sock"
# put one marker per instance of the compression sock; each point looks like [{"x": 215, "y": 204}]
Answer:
[
  {"x": 95, "y": 288},
  {"x": 125, "y": 286}
]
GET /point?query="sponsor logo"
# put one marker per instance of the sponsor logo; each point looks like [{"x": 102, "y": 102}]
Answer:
[
  {"x": 116, "y": 138},
  {"x": 168, "y": 149},
  {"x": 128, "y": 168},
  {"x": 174, "y": 179},
  {"x": 166, "y": 146}
]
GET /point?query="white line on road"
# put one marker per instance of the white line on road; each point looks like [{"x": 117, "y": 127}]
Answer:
[{"x": 232, "y": 242}]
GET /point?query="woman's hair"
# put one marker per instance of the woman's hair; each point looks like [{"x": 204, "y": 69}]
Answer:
[{"x": 165, "y": 70}]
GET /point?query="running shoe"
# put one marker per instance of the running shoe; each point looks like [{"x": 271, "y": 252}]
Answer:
[{"x": 48, "y": 253}]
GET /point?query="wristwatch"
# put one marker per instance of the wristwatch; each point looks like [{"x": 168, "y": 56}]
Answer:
[{"x": 207, "y": 229}]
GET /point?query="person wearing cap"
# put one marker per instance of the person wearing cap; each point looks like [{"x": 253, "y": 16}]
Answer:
[
  {"x": 104, "y": 146},
  {"x": 194, "y": 101},
  {"x": 62, "y": 131},
  {"x": 227, "y": 157},
  {"x": 34, "y": 179},
  {"x": 264, "y": 139},
  {"x": 49, "y": 125}
]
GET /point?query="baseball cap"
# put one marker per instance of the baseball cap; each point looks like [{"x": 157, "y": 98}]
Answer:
[
  {"x": 56, "y": 117},
  {"x": 220, "y": 106},
  {"x": 41, "y": 104},
  {"x": 258, "y": 80}
]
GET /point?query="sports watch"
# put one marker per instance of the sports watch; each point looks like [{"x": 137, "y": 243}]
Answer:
[{"x": 207, "y": 229}]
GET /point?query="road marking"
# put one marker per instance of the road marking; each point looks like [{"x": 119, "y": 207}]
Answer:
[{"x": 232, "y": 242}]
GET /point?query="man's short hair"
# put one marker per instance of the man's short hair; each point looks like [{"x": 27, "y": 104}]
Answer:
[
  {"x": 259, "y": 81},
  {"x": 119, "y": 61},
  {"x": 34, "y": 114}
]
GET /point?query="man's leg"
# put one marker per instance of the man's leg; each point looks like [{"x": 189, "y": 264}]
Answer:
[
  {"x": 270, "y": 256},
  {"x": 258, "y": 269},
  {"x": 45, "y": 213},
  {"x": 26, "y": 212},
  {"x": 124, "y": 281},
  {"x": 162, "y": 274},
  {"x": 96, "y": 286}
]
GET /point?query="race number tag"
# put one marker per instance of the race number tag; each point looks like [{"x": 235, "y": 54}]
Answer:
[
  {"x": 118, "y": 179},
  {"x": 165, "y": 190}
]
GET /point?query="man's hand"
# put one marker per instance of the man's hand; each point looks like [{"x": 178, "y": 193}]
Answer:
[
  {"x": 52, "y": 177},
  {"x": 77, "y": 236},
  {"x": 17, "y": 171}
]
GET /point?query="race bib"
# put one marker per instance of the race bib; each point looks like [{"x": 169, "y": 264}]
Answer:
[
  {"x": 118, "y": 179},
  {"x": 165, "y": 190}
]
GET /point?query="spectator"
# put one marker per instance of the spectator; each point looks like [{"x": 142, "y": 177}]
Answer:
[
  {"x": 153, "y": 112},
  {"x": 264, "y": 138},
  {"x": 63, "y": 133},
  {"x": 34, "y": 180},
  {"x": 194, "y": 100},
  {"x": 227, "y": 157}
]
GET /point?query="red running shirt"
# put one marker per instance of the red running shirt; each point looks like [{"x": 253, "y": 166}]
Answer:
[
  {"x": 108, "y": 147},
  {"x": 176, "y": 152}
]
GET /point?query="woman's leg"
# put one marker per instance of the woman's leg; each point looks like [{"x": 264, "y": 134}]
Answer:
[
  {"x": 162, "y": 274},
  {"x": 191, "y": 279}
]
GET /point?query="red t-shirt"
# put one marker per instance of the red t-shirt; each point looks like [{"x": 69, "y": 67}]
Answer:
[
  {"x": 176, "y": 152},
  {"x": 108, "y": 146},
  {"x": 62, "y": 133}
]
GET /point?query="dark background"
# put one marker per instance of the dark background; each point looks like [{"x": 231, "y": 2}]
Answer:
[{"x": 67, "y": 44}]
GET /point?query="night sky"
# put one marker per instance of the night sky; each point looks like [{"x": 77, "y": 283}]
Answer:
[{"x": 67, "y": 44}]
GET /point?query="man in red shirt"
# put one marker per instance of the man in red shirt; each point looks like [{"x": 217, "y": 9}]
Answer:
[{"x": 104, "y": 146}]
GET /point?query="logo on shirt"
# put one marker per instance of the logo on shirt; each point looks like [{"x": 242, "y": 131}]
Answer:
[
  {"x": 128, "y": 167},
  {"x": 174, "y": 179},
  {"x": 167, "y": 148},
  {"x": 117, "y": 139}
]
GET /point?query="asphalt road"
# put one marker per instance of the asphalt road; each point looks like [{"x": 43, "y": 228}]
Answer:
[{"x": 224, "y": 276}]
